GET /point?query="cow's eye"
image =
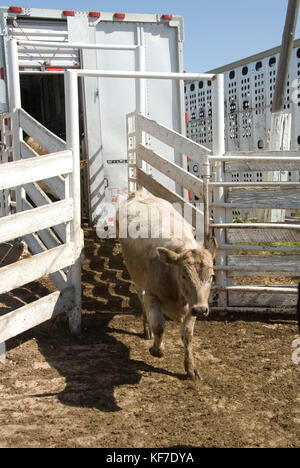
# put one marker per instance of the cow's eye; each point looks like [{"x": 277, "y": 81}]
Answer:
[{"x": 183, "y": 276}]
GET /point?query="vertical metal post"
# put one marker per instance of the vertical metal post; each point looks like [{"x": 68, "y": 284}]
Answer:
[
  {"x": 14, "y": 106},
  {"x": 141, "y": 93},
  {"x": 73, "y": 144},
  {"x": 206, "y": 178},
  {"x": 218, "y": 119},
  {"x": 141, "y": 82}
]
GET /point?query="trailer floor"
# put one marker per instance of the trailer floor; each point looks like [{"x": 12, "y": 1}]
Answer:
[{"x": 106, "y": 390}]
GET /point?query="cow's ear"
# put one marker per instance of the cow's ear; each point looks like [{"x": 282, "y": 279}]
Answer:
[
  {"x": 166, "y": 255},
  {"x": 212, "y": 246}
]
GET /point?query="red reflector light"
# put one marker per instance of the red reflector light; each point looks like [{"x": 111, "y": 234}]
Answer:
[
  {"x": 119, "y": 16},
  {"x": 190, "y": 196},
  {"x": 94, "y": 14},
  {"x": 53, "y": 69},
  {"x": 167, "y": 17},
  {"x": 2, "y": 73},
  {"x": 68, "y": 13},
  {"x": 186, "y": 117},
  {"x": 14, "y": 9}
]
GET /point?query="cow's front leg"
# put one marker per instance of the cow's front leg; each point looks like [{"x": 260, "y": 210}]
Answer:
[
  {"x": 156, "y": 322},
  {"x": 187, "y": 331},
  {"x": 147, "y": 330}
]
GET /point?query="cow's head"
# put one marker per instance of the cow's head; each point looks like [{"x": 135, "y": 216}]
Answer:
[{"x": 194, "y": 272}]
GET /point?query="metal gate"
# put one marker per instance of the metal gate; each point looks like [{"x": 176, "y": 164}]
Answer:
[
  {"x": 246, "y": 249},
  {"x": 51, "y": 229}
]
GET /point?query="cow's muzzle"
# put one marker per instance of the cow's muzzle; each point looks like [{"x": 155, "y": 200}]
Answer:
[{"x": 200, "y": 311}]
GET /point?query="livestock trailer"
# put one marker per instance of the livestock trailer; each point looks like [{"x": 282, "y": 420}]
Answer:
[
  {"x": 51, "y": 41},
  {"x": 249, "y": 87}
]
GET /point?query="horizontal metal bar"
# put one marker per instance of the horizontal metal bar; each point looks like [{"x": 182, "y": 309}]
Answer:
[
  {"x": 280, "y": 206},
  {"x": 258, "y": 289},
  {"x": 255, "y": 310},
  {"x": 263, "y": 153},
  {"x": 255, "y": 184},
  {"x": 295, "y": 227},
  {"x": 145, "y": 75},
  {"x": 293, "y": 156},
  {"x": 259, "y": 268},
  {"x": 77, "y": 45},
  {"x": 257, "y": 248}
]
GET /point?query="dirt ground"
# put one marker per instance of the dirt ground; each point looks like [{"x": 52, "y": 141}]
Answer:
[{"x": 106, "y": 390}]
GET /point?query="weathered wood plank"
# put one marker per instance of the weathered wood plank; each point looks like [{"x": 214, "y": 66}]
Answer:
[
  {"x": 33, "y": 314},
  {"x": 263, "y": 166},
  {"x": 30, "y": 269},
  {"x": 254, "y": 310},
  {"x": 161, "y": 191},
  {"x": 268, "y": 196},
  {"x": 249, "y": 236},
  {"x": 35, "y": 246},
  {"x": 242, "y": 299},
  {"x": 22, "y": 172},
  {"x": 171, "y": 170},
  {"x": 260, "y": 265},
  {"x": 39, "y": 198},
  {"x": 42, "y": 135},
  {"x": 177, "y": 141},
  {"x": 55, "y": 184},
  {"x": 23, "y": 223}
]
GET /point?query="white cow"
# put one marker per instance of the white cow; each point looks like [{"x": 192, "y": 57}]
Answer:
[{"x": 171, "y": 273}]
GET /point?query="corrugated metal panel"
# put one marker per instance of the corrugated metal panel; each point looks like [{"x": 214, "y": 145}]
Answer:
[{"x": 43, "y": 30}]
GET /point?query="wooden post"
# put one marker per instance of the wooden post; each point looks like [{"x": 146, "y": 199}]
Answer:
[{"x": 75, "y": 234}]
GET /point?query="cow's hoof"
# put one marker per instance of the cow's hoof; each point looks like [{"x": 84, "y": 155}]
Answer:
[
  {"x": 194, "y": 375},
  {"x": 156, "y": 352}
]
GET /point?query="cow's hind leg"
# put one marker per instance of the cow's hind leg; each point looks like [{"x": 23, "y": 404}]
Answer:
[
  {"x": 156, "y": 322},
  {"x": 147, "y": 330},
  {"x": 187, "y": 331}
]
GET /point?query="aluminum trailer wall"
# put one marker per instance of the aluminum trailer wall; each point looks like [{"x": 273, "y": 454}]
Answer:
[
  {"x": 142, "y": 43},
  {"x": 249, "y": 88}
]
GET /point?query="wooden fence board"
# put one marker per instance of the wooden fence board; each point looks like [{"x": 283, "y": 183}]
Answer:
[
  {"x": 171, "y": 170},
  {"x": 35, "y": 246},
  {"x": 14, "y": 174},
  {"x": 41, "y": 135},
  {"x": 23, "y": 223},
  {"x": 33, "y": 314},
  {"x": 267, "y": 196},
  {"x": 161, "y": 191},
  {"x": 30, "y": 269},
  {"x": 248, "y": 236},
  {"x": 177, "y": 141}
]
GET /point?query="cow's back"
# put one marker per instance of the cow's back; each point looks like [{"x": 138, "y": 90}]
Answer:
[{"x": 138, "y": 252}]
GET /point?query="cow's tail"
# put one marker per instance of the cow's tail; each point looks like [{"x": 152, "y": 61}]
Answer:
[{"x": 298, "y": 307}]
